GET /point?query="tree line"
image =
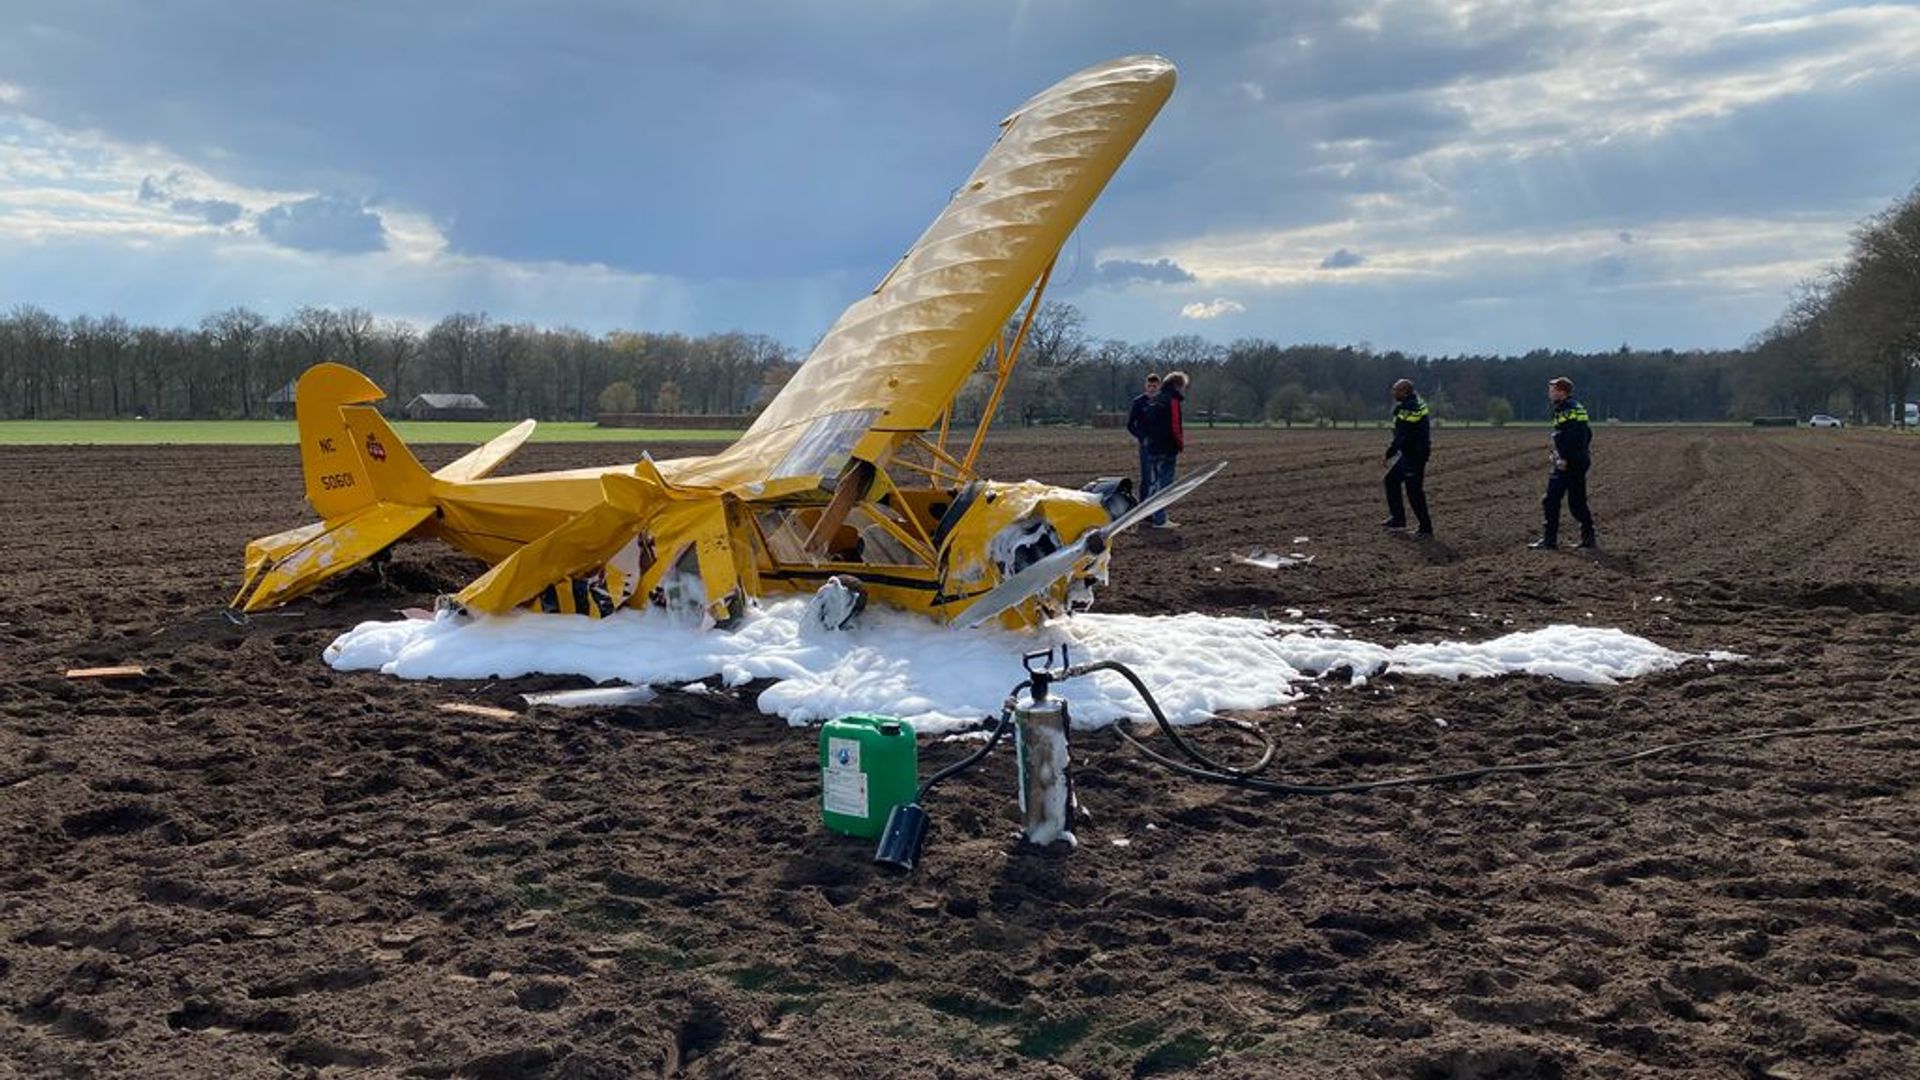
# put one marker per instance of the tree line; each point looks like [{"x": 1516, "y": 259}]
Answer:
[
  {"x": 1855, "y": 330},
  {"x": 235, "y": 361},
  {"x": 1847, "y": 343}
]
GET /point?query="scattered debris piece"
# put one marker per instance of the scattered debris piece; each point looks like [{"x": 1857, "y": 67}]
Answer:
[
  {"x": 477, "y": 710},
  {"x": 124, "y": 671},
  {"x": 593, "y": 695},
  {"x": 1267, "y": 560}
]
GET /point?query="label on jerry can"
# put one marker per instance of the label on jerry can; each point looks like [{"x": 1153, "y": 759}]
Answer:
[{"x": 844, "y": 786}]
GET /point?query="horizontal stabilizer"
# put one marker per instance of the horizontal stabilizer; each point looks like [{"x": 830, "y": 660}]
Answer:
[
  {"x": 482, "y": 460},
  {"x": 292, "y": 563}
]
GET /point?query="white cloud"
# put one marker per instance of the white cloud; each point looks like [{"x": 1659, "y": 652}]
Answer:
[
  {"x": 55, "y": 183},
  {"x": 1688, "y": 62},
  {"x": 1212, "y": 309}
]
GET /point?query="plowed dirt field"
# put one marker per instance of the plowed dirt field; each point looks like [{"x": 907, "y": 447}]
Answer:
[{"x": 246, "y": 864}]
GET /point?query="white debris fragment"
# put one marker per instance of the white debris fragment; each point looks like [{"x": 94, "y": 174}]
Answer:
[
  {"x": 596, "y": 695},
  {"x": 1267, "y": 560}
]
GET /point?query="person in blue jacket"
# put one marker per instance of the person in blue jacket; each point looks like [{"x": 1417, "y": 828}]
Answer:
[
  {"x": 1572, "y": 457},
  {"x": 1166, "y": 437},
  {"x": 1137, "y": 426},
  {"x": 1413, "y": 444}
]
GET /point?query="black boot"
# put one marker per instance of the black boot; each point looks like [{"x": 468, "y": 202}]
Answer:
[
  {"x": 1545, "y": 543},
  {"x": 1588, "y": 540}
]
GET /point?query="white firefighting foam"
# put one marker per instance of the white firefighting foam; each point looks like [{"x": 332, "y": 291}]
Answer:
[{"x": 940, "y": 679}]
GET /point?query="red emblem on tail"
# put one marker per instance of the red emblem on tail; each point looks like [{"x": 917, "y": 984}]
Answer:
[{"x": 375, "y": 450}]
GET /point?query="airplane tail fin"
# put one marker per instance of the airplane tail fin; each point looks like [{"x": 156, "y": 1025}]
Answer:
[
  {"x": 367, "y": 487},
  {"x": 351, "y": 458}
]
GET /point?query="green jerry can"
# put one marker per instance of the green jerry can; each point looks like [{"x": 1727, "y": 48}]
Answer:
[{"x": 868, "y": 765}]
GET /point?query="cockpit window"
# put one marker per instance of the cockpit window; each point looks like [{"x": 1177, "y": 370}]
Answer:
[{"x": 827, "y": 444}]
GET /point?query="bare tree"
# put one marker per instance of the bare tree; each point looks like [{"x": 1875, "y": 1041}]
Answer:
[
  {"x": 356, "y": 330},
  {"x": 453, "y": 350},
  {"x": 235, "y": 336},
  {"x": 398, "y": 346},
  {"x": 1258, "y": 368}
]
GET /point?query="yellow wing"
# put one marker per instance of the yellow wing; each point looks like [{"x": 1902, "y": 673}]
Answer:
[
  {"x": 482, "y": 460},
  {"x": 896, "y": 358}
]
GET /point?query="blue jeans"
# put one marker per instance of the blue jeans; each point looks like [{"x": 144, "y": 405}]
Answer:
[
  {"x": 1146, "y": 472},
  {"x": 1160, "y": 475}
]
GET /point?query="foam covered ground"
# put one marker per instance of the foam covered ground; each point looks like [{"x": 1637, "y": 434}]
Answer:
[{"x": 940, "y": 678}]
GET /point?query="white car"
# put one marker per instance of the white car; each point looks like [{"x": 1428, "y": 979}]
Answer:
[{"x": 1823, "y": 420}]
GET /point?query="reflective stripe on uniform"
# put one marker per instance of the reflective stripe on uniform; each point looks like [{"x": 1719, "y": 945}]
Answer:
[{"x": 1410, "y": 414}]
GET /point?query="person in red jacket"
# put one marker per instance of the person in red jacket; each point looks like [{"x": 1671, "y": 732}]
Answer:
[{"x": 1166, "y": 437}]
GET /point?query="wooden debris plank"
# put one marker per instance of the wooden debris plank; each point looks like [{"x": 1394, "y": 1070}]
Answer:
[
  {"x": 478, "y": 710},
  {"x": 123, "y": 671}
]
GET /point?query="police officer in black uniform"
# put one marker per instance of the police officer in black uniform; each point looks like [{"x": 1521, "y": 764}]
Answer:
[
  {"x": 1572, "y": 457},
  {"x": 1413, "y": 442}
]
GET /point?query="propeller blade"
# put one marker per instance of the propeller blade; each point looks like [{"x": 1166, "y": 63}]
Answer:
[
  {"x": 1032, "y": 581},
  {"x": 1162, "y": 499},
  {"x": 1040, "y": 576}
]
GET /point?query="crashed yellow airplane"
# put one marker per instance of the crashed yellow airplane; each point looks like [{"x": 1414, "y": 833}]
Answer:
[{"x": 848, "y": 473}]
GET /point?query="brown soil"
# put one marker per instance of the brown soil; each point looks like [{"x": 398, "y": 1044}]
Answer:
[{"x": 245, "y": 864}]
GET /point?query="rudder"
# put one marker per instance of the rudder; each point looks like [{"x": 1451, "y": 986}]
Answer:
[{"x": 349, "y": 457}]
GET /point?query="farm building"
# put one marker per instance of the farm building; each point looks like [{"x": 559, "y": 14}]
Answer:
[
  {"x": 446, "y": 407},
  {"x": 281, "y": 401}
]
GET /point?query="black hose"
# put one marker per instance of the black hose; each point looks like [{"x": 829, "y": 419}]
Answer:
[
  {"x": 1208, "y": 769},
  {"x": 1185, "y": 747},
  {"x": 999, "y": 732}
]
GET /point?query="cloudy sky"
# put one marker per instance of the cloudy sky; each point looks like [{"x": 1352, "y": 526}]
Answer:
[{"x": 1426, "y": 175}]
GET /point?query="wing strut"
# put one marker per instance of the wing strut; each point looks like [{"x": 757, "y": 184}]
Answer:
[{"x": 1007, "y": 357}]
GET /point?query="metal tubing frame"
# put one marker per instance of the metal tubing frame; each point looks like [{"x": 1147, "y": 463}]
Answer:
[{"x": 1007, "y": 358}]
